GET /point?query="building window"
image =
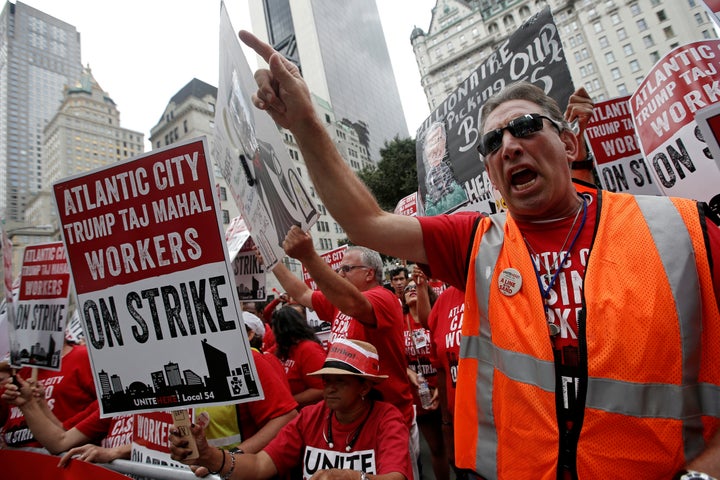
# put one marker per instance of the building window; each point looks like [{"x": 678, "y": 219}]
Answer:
[
  {"x": 691, "y": 3},
  {"x": 634, "y": 66},
  {"x": 622, "y": 89},
  {"x": 603, "y": 42},
  {"x": 655, "y": 3},
  {"x": 661, "y": 15},
  {"x": 669, "y": 33},
  {"x": 622, "y": 34},
  {"x": 648, "y": 41},
  {"x": 609, "y": 57},
  {"x": 641, "y": 24},
  {"x": 698, "y": 18},
  {"x": 226, "y": 217},
  {"x": 615, "y": 18},
  {"x": 598, "y": 27},
  {"x": 654, "y": 56},
  {"x": 615, "y": 73},
  {"x": 635, "y": 9},
  {"x": 627, "y": 48},
  {"x": 223, "y": 193}
]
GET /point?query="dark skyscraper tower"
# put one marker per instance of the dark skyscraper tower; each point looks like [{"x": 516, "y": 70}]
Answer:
[
  {"x": 341, "y": 51},
  {"x": 39, "y": 55}
]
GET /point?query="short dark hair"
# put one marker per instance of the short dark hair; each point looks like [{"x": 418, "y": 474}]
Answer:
[{"x": 398, "y": 270}]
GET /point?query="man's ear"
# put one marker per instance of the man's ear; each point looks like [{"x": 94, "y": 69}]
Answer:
[{"x": 571, "y": 144}]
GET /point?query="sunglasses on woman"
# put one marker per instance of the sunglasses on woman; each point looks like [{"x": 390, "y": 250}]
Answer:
[{"x": 519, "y": 127}]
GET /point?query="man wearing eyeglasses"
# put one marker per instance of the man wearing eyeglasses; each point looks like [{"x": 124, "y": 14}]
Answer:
[
  {"x": 590, "y": 339},
  {"x": 353, "y": 299}
]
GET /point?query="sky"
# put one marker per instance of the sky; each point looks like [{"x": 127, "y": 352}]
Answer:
[{"x": 142, "y": 52}]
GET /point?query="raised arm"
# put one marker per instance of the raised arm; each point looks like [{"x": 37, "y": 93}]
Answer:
[
  {"x": 340, "y": 292},
  {"x": 282, "y": 92}
]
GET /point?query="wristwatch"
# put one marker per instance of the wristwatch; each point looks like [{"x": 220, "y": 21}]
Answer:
[
  {"x": 363, "y": 476},
  {"x": 692, "y": 475}
]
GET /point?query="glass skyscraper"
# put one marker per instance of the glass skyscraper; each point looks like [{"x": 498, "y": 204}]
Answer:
[
  {"x": 341, "y": 51},
  {"x": 39, "y": 55}
]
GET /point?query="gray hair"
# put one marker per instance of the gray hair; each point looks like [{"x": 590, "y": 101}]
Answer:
[
  {"x": 523, "y": 91},
  {"x": 370, "y": 258}
]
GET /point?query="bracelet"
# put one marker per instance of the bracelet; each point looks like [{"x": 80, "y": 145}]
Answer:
[
  {"x": 222, "y": 465},
  {"x": 232, "y": 466}
]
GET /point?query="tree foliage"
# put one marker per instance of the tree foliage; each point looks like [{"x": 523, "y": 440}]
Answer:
[{"x": 395, "y": 175}]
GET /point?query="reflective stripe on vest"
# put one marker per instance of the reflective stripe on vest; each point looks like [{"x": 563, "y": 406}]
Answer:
[{"x": 673, "y": 244}]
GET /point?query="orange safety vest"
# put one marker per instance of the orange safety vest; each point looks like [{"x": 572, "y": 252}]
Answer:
[{"x": 649, "y": 334}]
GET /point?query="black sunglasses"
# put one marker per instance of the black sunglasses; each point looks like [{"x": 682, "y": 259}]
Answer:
[{"x": 519, "y": 127}]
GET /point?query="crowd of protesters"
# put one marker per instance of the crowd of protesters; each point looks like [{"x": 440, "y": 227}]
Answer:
[{"x": 543, "y": 364}]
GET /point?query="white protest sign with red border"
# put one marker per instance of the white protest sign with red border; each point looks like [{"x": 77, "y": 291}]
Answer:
[
  {"x": 38, "y": 332},
  {"x": 252, "y": 157},
  {"x": 333, "y": 259},
  {"x": 250, "y": 277},
  {"x": 154, "y": 285},
  {"x": 663, "y": 108},
  {"x": 408, "y": 206},
  {"x": 618, "y": 159}
]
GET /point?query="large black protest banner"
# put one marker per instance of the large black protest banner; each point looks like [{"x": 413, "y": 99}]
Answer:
[{"x": 450, "y": 174}]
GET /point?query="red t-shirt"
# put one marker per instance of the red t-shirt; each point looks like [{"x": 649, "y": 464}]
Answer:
[
  {"x": 70, "y": 394},
  {"x": 381, "y": 446},
  {"x": 448, "y": 240},
  {"x": 386, "y": 336},
  {"x": 445, "y": 322},
  {"x": 278, "y": 399},
  {"x": 303, "y": 358}
]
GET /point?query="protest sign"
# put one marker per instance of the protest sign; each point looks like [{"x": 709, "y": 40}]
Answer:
[
  {"x": 250, "y": 278},
  {"x": 38, "y": 330},
  {"x": 619, "y": 162},
  {"x": 332, "y": 258},
  {"x": 151, "y": 440},
  {"x": 407, "y": 206},
  {"x": 713, "y": 9},
  {"x": 663, "y": 109},
  {"x": 74, "y": 330},
  {"x": 252, "y": 157},
  {"x": 708, "y": 119},
  {"x": 154, "y": 285},
  {"x": 450, "y": 174}
]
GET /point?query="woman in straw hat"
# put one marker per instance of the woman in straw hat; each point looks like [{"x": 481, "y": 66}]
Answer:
[{"x": 349, "y": 435}]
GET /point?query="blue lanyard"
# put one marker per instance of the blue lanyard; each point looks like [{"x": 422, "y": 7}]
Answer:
[{"x": 546, "y": 291}]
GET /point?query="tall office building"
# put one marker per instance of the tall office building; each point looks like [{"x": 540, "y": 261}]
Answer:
[
  {"x": 609, "y": 44},
  {"x": 39, "y": 56},
  {"x": 341, "y": 51},
  {"x": 84, "y": 134}
]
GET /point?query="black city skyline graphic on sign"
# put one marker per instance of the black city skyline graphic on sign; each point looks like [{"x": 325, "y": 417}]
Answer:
[{"x": 170, "y": 386}]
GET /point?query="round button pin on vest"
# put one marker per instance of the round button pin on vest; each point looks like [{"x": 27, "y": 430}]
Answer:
[{"x": 509, "y": 282}]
